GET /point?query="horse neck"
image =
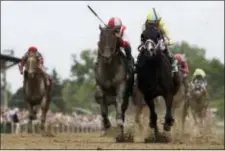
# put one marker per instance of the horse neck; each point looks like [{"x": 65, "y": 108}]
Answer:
[
  {"x": 35, "y": 85},
  {"x": 110, "y": 69},
  {"x": 153, "y": 63}
]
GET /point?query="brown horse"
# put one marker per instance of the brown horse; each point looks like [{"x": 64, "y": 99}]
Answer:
[
  {"x": 180, "y": 106},
  {"x": 36, "y": 92}
]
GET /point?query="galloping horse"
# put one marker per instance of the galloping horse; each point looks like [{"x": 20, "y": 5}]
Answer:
[
  {"x": 112, "y": 79},
  {"x": 198, "y": 100},
  {"x": 180, "y": 106},
  {"x": 36, "y": 92},
  {"x": 155, "y": 78}
]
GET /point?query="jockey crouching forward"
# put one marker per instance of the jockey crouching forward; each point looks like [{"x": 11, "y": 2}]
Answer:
[
  {"x": 155, "y": 19},
  {"x": 32, "y": 50},
  {"x": 121, "y": 33},
  {"x": 200, "y": 74},
  {"x": 182, "y": 63}
]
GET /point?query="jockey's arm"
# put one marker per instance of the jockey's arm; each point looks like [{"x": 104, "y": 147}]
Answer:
[
  {"x": 22, "y": 63},
  {"x": 23, "y": 60},
  {"x": 40, "y": 58},
  {"x": 142, "y": 29},
  {"x": 125, "y": 43},
  {"x": 125, "y": 39}
]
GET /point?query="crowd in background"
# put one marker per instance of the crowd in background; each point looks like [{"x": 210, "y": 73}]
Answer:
[{"x": 21, "y": 116}]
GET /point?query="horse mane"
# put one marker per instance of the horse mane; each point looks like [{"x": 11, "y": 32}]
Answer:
[{"x": 33, "y": 54}]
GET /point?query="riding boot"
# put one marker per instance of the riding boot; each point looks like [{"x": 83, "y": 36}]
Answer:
[
  {"x": 130, "y": 59},
  {"x": 47, "y": 76}
]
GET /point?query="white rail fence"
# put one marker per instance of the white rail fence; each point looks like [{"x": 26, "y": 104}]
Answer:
[
  {"x": 62, "y": 127},
  {"x": 58, "y": 128}
]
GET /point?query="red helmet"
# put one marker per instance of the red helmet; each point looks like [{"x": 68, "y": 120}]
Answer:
[
  {"x": 179, "y": 57},
  {"x": 32, "y": 49},
  {"x": 114, "y": 22}
]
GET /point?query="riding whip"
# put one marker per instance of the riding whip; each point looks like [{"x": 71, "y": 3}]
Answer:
[
  {"x": 96, "y": 14},
  {"x": 155, "y": 14}
]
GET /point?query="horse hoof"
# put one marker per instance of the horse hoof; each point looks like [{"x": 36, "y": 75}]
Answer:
[
  {"x": 108, "y": 125},
  {"x": 129, "y": 137},
  {"x": 120, "y": 139},
  {"x": 104, "y": 133},
  {"x": 167, "y": 127},
  {"x": 119, "y": 122},
  {"x": 149, "y": 140},
  {"x": 152, "y": 125}
]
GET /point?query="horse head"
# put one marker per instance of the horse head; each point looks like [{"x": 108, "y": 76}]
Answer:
[
  {"x": 197, "y": 88},
  {"x": 108, "y": 43},
  {"x": 153, "y": 41},
  {"x": 31, "y": 66}
]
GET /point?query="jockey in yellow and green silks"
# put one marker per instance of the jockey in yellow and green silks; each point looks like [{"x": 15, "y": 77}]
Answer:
[{"x": 154, "y": 18}]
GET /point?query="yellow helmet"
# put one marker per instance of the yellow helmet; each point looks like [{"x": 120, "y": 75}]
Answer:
[
  {"x": 153, "y": 16},
  {"x": 199, "y": 72}
]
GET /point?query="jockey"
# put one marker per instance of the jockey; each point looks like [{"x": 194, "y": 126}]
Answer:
[
  {"x": 182, "y": 62},
  {"x": 121, "y": 33},
  {"x": 154, "y": 18},
  {"x": 31, "y": 50},
  {"x": 200, "y": 74}
]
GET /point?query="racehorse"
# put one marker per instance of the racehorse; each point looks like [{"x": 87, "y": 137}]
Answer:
[
  {"x": 36, "y": 92},
  {"x": 140, "y": 105},
  {"x": 155, "y": 78},
  {"x": 197, "y": 101},
  {"x": 112, "y": 78},
  {"x": 180, "y": 105}
]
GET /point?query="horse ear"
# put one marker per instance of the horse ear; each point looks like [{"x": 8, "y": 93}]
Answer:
[{"x": 100, "y": 27}]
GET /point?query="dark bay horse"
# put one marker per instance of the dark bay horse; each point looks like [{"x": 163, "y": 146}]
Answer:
[
  {"x": 36, "y": 92},
  {"x": 155, "y": 78},
  {"x": 112, "y": 78},
  {"x": 140, "y": 106}
]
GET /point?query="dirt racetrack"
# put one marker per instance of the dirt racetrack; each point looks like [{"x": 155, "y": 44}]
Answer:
[{"x": 94, "y": 141}]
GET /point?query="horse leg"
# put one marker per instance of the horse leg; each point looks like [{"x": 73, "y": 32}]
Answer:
[
  {"x": 195, "y": 119},
  {"x": 138, "y": 113},
  {"x": 169, "y": 120},
  {"x": 120, "y": 106},
  {"x": 153, "y": 117},
  {"x": 124, "y": 106},
  {"x": 104, "y": 112},
  {"x": 31, "y": 117},
  {"x": 44, "y": 109},
  {"x": 201, "y": 119},
  {"x": 184, "y": 115}
]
